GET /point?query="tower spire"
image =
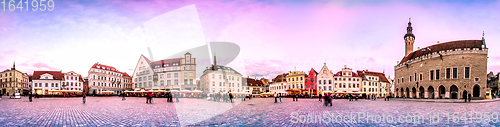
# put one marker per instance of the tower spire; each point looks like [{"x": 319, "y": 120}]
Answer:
[
  {"x": 14, "y": 66},
  {"x": 409, "y": 38},
  {"x": 215, "y": 60}
]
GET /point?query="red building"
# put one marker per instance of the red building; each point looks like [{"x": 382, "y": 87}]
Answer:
[{"x": 310, "y": 82}]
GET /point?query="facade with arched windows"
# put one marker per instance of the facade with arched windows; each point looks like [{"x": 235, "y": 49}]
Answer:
[{"x": 449, "y": 70}]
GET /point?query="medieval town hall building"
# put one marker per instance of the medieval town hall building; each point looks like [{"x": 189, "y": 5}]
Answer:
[{"x": 449, "y": 70}]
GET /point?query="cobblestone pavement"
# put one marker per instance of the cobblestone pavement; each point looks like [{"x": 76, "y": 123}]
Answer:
[
  {"x": 263, "y": 112},
  {"x": 112, "y": 111}
]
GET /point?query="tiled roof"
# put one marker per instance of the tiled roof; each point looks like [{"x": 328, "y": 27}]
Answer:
[
  {"x": 167, "y": 61},
  {"x": 222, "y": 69},
  {"x": 126, "y": 75},
  {"x": 253, "y": 82},
  {"x": 312, "y": 70},
  {"x": 381, "y": 76},
  {"x": 461, "y": 44},
  {"x": 149, "y": 61},
  {"x": 105, "y": 67},
  {"x": 280, "y": 78},
  {"x": 340, "y": 74},
  {"x": 58, "y": 75}
]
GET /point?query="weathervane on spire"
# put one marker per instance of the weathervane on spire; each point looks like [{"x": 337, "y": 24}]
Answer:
[{"x": 409, "y": 19}]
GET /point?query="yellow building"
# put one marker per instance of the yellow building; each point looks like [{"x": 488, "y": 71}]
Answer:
[
  {"x": 14, "y": 81},
  {"x": 374, "y": 83},
  {"x": 295, "y": 81}
]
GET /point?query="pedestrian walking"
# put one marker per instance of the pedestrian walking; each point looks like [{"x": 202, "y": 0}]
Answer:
[
  {"x": 469, "y": 97},
  {"x": 84, "y": 97},
  {"x": 30, "y": 96},
  {"x": 280, "y": 97},
  {"x": 123, "y": 96},
  {"x": 231, "y": 97},
  {"x": 328, "y": 100},
  {"x": 320, "y": 96},
  {"x": 296, "y": 97},
  {"x": 275, "y": 97},
  {"x": 150, "y": 95}
]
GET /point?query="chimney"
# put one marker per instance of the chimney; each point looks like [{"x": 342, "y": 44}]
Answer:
[
  {"x": 438, "y": 42},
  {"x": 345, "y": 66}
]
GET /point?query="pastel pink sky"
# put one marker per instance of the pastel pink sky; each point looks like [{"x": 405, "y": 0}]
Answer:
[{"x": 274, "y": 36}]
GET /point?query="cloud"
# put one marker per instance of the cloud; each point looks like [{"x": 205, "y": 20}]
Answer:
[
  {"x": 43, "y": 66},
  {"x": 264, "y": 68}
]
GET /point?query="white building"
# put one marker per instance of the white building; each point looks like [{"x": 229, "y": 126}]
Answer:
[
  {"x": 325, "y": 80},
  {"x": 221, "y": 79},
  {"x": 72, "y": 81},
  {"x": 176, "y": 73},
  {"x": 279, "y": 84},
  {"x": 347, "y": 81},
  {"x": 46, "y": 81},
  {"x": 105, "y": 79}
]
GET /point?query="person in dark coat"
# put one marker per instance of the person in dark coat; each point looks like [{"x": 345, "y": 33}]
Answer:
[
  {"x": 296, "y": 97},
  {"x": 30, "y": 96},
  {"x": 275, "y": 97},
  {"x": 230, "y": 97},
  {"x": 465, "y": 97},
  {"x": 320, "y": 96}
]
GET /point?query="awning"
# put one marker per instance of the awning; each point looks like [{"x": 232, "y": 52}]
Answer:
[
  {"x": 293, "y": 90},
  {"x": 197, "y": 91}
]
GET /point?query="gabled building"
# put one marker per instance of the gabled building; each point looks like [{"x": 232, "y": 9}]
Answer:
[
  {"x": 374, "y": 83},
  {"x": 217, "y": 78},
  {"x": 347, "y": 81},
  {"x": 325, "y": 80},
  {"x": 310, "y": 82},
  {"x": 44, "y": 82},
  {"x": 72, "y": 81},
  {"x": 176, "y": 73},
  {"x": 279, "y": 84},
  {"x": 254, "y": 86},
  {"x": 14, "y": 81},
  {"x": 104, "y": 79}
]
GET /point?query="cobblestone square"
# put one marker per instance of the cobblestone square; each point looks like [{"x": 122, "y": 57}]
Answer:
[{"x": 112, "y": 111}]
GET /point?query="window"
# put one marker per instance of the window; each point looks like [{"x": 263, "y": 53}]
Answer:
[
  {"x": 437, "y": 74},
  {"x": 402, "y": 80},
  {"x": 410, "y": 78},
  {"x": 220, "y": 83},
  {"x": 420, "y": 77},
  {"x": 448, "y": 73},
  {"x": 467, "y": 73},
  {"x": 455, "y": 76},
  {"x": 176, "y": 75},
  {"x": 431, "y": 75},
  {"x": 415, "y": 76}
]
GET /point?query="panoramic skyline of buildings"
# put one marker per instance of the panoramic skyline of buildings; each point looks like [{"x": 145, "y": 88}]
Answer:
[{"x": 354, "y": 29}]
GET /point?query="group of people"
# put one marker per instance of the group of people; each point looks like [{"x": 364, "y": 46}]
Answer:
[
  {"x": 276, "y": 96},
  {"x": 220, "y": 97}
]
